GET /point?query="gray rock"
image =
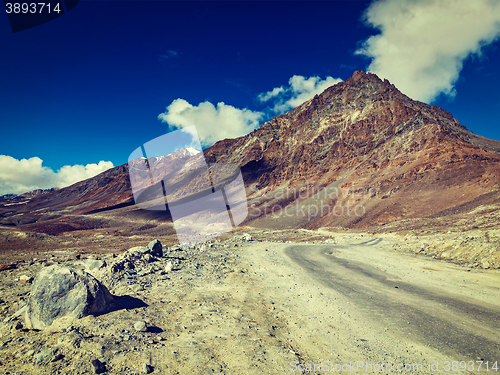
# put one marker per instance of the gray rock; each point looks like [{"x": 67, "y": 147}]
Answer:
[
  {"x": 169, "y": 267},
  {"x": 19, "y": 312},
  {"x": 98, "y": 366},
  {"x": 120, "y": 265},
  {"x": 46, "y": 356},
  {"x": 71, "y": 339},
  {"x": 92, "y": 264},
  {"x": 140, "y": 326},
  {"x": 17, "y": 325},
  {"x": 135, "y": 252},
  {"x": 148, "y": 258},
  {"x": 25, "y": 279},
  {"x": 62, "y": 291},
  {"x": 155, "y": 248},
  {"x": 147, "y": 369},
  {"x": 246, "y": 237}
]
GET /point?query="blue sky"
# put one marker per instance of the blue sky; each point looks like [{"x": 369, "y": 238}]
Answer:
[{"x": 95, "y": 84}]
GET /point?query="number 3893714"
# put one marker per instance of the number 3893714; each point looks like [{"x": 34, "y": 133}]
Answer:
[{"x": 31, "y": 8}]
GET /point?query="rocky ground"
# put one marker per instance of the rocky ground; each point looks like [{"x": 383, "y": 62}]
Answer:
[
  {"x": 198, "y": 307},
  {"x": 216, "y": 307}
]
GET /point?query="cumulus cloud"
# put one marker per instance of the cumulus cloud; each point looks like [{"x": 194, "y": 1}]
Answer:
[
  {"x": 20, "y": 176},
  {"x": 300, "y": 89},
  {"x": 422, "y": 43},
  {"x": 212, "y": 123},
  {"x": 69, "y": 174}
]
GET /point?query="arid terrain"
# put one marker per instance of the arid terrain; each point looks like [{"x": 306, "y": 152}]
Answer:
[
  {"x": 265, "y": 305},
  {"x": 372, "y": 237}
]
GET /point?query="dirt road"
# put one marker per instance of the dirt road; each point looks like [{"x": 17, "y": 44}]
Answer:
[
  {"x": 360, "y": 302},
  {"x": 341, "y": 303}
]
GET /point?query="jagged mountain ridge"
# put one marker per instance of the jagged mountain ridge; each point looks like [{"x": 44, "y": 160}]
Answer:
[
  {"x": 347, "y": 122},
  {"x": 362, "y": 133},
  {"x": 107, "y": 191}
]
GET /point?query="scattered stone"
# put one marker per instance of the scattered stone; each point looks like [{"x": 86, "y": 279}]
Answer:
[
  {"x": 169, "y": 267},
  {"x": 485, "y": 264},
  {"x": 98, "y": 366},
  {"x": 46, "y": 356},
  {"x": 71, "y": 339},
  {"x": 19, "y": 312},
  {"x": 92, "y": 264},
  {"x": 246, "y": 237},
  {"x": 140, "y": 326},
  {"x": 135, "y": 252},
  {"x": 59, "y": 291},
  {"x": 25, "y": 279},
  {"x": 155, "y": 248},
  {"x": 147, "y": 369}
]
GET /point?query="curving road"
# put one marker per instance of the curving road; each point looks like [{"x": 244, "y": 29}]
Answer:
[{"x": 402, "y": 299}]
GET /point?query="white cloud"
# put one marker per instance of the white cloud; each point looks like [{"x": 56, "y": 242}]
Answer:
[
  {"x": 300, "y": 90},
  {"x": 265, "y": 96},
  {"x": 212, "y": 123},
  {"x": 20, "y": 176},
  {"x": 423, "y": 43},
  {"x": 69, "y": 174}
]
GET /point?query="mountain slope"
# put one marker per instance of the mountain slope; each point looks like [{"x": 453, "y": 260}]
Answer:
[
  {"x": 357, "y": 155},
  {"x": 365, "y": 135}
]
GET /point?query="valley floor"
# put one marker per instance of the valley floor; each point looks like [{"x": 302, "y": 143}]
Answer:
[{"x": 285, "y": 302}]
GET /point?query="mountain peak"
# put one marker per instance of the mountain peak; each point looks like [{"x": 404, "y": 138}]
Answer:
[
  {"x": 364, "y": 132},
  {"x": 182, "y": 152},
  {"x": 360, "y": 76}
]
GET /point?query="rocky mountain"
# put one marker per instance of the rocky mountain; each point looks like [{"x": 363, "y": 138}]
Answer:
[
  {"x": 164, "y": 165},
  {"x": 27, "y": 195},
  {"x": 367, "y": 145},
  {"x": 36, "y": 193},
  {"x": 360, "y": 154}
]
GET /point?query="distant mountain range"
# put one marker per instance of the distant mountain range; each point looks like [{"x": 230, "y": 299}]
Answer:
[
  {"x": 27, "y": 195},
  {"x": 360, "y": 145}
]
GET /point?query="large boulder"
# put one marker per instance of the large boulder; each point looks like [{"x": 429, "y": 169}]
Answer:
[{"x": 60, "y": 291}]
